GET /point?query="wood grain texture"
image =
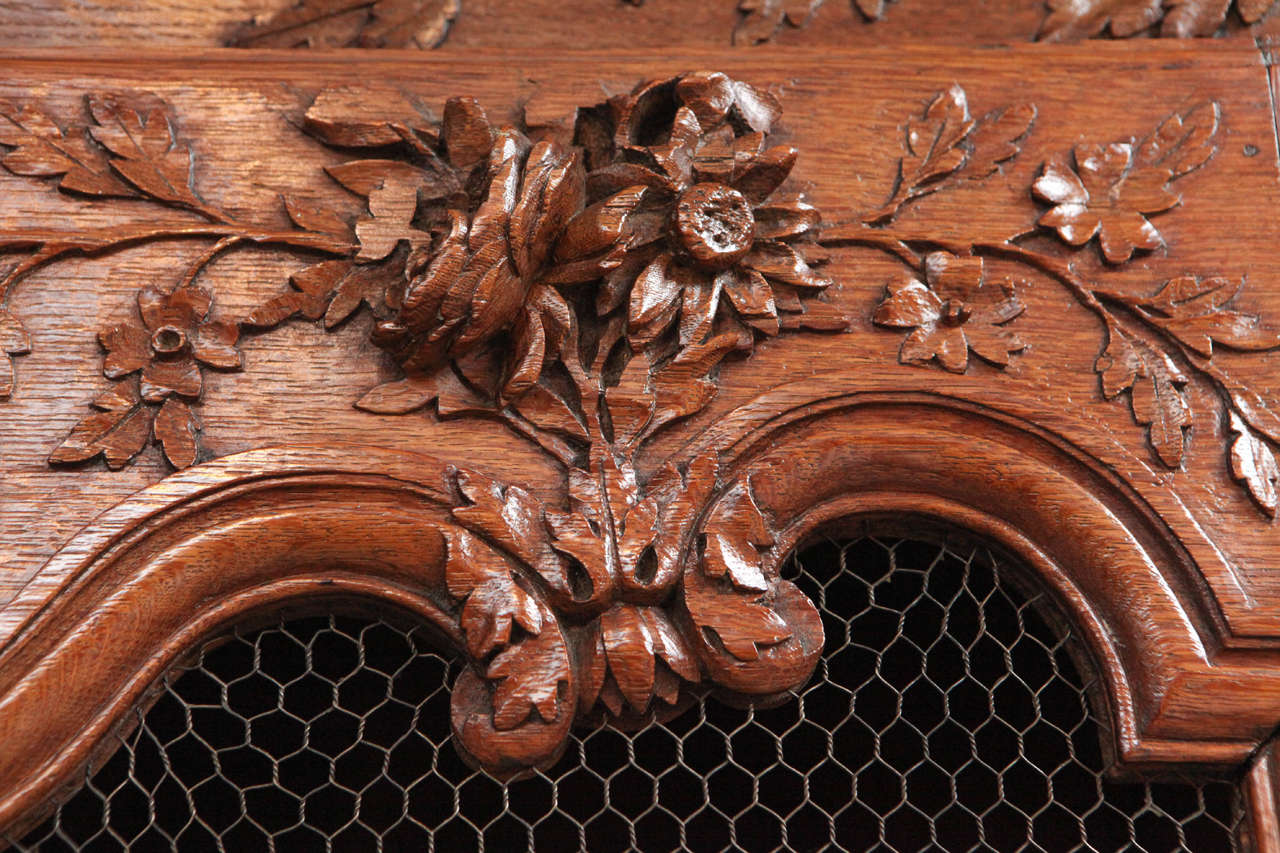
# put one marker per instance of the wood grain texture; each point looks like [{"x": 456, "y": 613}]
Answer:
[{"x": 565, "y": 355}]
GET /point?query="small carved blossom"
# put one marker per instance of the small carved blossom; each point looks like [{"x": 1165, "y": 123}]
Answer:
[
  {"x": 953, "y": 311},
  {"x": 175, "y": 336},
  {"x": 168, "y": 344},
  {"x": 1106, "y": 195}
]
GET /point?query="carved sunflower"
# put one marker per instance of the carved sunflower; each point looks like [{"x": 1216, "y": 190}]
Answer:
[{"x": 681, "y": 177}]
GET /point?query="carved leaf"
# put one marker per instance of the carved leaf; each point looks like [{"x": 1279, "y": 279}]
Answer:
[
  {"x": 531, "y": 672},
  {"x": 42, "y": 149},
  {"x": 119, "y": 430},
  {"x": 363, "y": 177},
  {"x": 493, "y": 600},
  {"x": 1069, "y": 20},
  {"x": 177, "y": 431},
  {"x": 347, "y": 117},
  {"x": 14, "y": 340},
  {"x": 352, "y": 23},
  {"x": 147, "y": 154},
  {"x": 945, "y": 145},
  {"x": 681, "y": 387},
  {"x": 1252, "y": 10},
  {"x": 761, "y": 20},
  {"x": 312, "y": 217},
  {"x": 742, "y": 622},
  {"x": 393, "y": 205},
  {"x": 513, "y": 519},
  {"x": 1158, "y": 403},
  {"x": 414, "y": 392},
  {"x": 1254, "y": 464},
  {"x": 635, "y": 638},
  {"x": 996, "y": 138},
  {"x": 1197, "y": 316},
  {"x": 362, "y": 283},
  {"x": 1186, "y": 18},
  {"x": 313, "y": 290}
]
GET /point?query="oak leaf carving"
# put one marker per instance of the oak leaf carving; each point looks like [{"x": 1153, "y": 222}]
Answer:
[
  {"x": 945, "y": 144},
  {"x": 1154, "y": 384},
  {"x": 1113, "y": 188},
  {"x": 1253, "y": 463},
  {"x": 42, "y": 149},
  {"x": 1074, "y": 19},
  {"x": 1194, "y": 310},
  {"x": 760, "y": 20},
  {"x": 147, "y": 154}
]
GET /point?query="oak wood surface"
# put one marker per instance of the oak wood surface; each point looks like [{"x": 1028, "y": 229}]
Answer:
[
  {"x": 583, "y": 24},
  {"x": 1145, "y": 518}
]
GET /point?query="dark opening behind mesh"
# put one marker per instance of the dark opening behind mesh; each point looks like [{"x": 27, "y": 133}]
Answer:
[{"x": 946, "y": 714}]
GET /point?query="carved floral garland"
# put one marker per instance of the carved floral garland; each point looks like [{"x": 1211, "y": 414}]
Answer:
[{"x": 583, "y": 290}]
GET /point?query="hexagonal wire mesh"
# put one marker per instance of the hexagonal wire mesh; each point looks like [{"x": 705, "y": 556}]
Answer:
[{"x": 946, "y": 713}]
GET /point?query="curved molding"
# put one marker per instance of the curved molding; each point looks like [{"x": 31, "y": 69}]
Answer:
[
  {"x": 233, "y": 539},
  {"x": 1126, "y": 577}
]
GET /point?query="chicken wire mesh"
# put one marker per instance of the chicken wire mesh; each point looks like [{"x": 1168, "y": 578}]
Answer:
[{"x": 946, "y": 714}]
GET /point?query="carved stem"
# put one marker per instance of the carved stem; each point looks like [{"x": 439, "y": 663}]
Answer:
[
  {"x": 53, "y": 244},
  {"x": 205, "y": 259}
]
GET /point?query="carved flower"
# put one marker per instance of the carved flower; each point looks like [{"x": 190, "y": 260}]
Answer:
[
  {"x": 682, "y": 179},
  {"x": 486, "y": 276},
  {"x": 956, "y": 311},
  {"x": 173, "y": 339},
  {"x": 1107, "y": 195}
]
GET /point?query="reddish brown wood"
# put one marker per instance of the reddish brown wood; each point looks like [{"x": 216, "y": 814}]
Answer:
[{"x": 568, "y": 374}]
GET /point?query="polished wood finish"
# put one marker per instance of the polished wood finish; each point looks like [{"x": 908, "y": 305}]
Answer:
[{"x": 563, "y": 354}]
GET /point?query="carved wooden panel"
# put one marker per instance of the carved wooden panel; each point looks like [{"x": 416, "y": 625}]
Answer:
[
  {"x": 565, "y": 357},
  {"x": 459, "y": 25}
]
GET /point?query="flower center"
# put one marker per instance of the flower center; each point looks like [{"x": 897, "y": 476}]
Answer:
[
  {"x": 955, "y": 312},
  {"x": 168, "y": 340},
  {"x": 715, "y": 224}
]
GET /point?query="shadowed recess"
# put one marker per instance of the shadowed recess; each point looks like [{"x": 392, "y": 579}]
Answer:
[{"x": 946, "y": 712}]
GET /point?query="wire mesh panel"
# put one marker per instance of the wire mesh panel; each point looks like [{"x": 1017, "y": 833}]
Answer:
[{"x": 945, "y": 714}]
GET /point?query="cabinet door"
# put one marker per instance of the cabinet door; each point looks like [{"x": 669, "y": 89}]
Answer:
[{"x": 870, "y": 446}]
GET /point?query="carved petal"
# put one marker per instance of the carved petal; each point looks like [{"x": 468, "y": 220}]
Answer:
[
  {"x": 912, "y": 305},
  {"x": 214, "y": 345},
  {"x": 162, "y": 378},
  {"x": 128, "y": 349}
]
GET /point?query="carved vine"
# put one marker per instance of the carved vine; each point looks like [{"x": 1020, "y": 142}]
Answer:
[
  {"x": 581, "y": 290},
  {"x": 1152, "y": 344},
  {"x": 583, "y": 287}
]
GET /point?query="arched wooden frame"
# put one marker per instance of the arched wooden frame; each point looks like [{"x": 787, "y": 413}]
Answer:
[{"x": 228, "y": 540}]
